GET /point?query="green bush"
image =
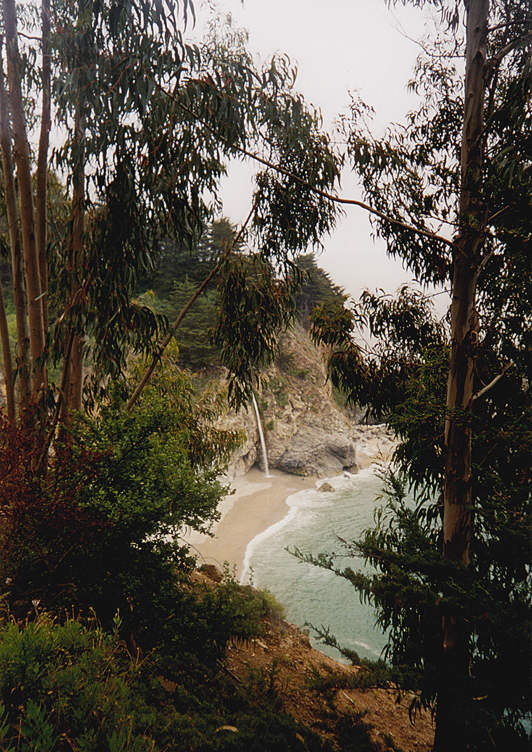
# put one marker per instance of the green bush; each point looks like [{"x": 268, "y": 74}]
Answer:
[
  {"x": 72, "y": 686},
  {"x": 101, "y": 528},
  {"x": 67, "y": 687}
]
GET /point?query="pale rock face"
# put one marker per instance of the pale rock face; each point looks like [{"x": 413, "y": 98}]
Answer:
[
  {"x": 246, "y": 455},
  {"x": 306, "y": 433}
]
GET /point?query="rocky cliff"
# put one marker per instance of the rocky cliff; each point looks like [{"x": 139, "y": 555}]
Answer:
[{"x": 306, "y": 432}]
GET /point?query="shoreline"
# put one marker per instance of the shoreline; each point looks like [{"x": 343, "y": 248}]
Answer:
[{"x": 257, "y": 503}]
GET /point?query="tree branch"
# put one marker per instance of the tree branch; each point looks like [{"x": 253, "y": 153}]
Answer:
[
  {"x": 164, "y": 344},
  {"x": 317, "y": 191},
  {"x": 27, "y": 36},
  {"x": 494, "y": 60},
  {"x": 492, "y": 383}
]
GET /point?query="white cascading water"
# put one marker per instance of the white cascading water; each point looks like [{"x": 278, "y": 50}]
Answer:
[{"x": 261, "y": 436}]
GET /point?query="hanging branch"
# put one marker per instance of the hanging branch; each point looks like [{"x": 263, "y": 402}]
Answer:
[
  {"x": 309, "y": 186},
  {"x": 165, "y": 342}
]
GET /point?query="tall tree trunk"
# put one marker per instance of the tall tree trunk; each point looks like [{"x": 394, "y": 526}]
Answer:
[
  {"x": 74, "y": 384},
  {"x": 42, "y": 161},
  {"x": 22, "y": 357},
  {"x": 23, "y": 164},
  {"x": 8, "y": 364},
  {"x": 454, "y": 701}
]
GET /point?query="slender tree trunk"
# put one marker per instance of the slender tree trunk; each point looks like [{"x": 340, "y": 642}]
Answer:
[
  {"x": 42, "y": 161},
  {"x": 74, "y": 387},
  {"x": 23, "y": 164},
  {"x": 8, "y": 364},
  {"x": 454, "y": 701},
  {"x": 22, "y": 358}
]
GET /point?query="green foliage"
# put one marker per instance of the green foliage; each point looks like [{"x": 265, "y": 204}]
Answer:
[
  {"x": 404, "y": 331},
  {"x": 194, "y": 336},
  {"x": 178, "y": 273},
  {"x": 174, "y": 263},
  {"x": 71, "y": 685},
  {"x": 149, "y": 123},
  {"x": 278, "y": 387},
  {"x": 68, "y": 684},
  {"x": 370, "y": 674},
  {"x": 255, "y": 305},
  {"x": 317, "y": 289},
  {"x": 238, "y": 610},
  {"x": 106, "y": 518}
]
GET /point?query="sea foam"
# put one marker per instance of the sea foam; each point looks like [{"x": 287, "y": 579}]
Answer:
[{"x": 313, "y": 522}]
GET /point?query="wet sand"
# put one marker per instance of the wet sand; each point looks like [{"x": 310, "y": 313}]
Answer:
[{"x": 257, "y": 503}]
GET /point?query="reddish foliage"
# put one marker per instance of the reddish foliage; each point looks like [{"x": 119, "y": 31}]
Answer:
[{"x": 42, "y": 515}]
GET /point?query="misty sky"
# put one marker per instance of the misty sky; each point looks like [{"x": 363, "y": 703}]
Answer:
[{"x": 338, "y": 45}]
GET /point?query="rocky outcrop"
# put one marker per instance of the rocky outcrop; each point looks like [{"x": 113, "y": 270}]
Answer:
[
  {"x": 306, "y": 432},
  {"x": 248, "y": 453}
]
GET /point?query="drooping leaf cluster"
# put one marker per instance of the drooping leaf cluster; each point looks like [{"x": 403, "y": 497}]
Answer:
[
  {"x": 401, "y": 329},
  {"x": 256, "y": 304},
  {"x": 150, "y": 122},
  {"x": 177, "y": 275}
]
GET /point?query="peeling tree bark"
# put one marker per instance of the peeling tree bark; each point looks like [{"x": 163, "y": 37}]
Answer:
[
  {"x": 7, "y": 361},
  {"x": 21, "y": 151},
  {"x": 19, "y": 297},
  {"x": 42, "y": 162},
  {"x": 453, "y": 697}
]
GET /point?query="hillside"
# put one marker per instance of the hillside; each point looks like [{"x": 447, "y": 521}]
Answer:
[
  {"x": 306, "y": 432},
  {"x": 318, "y": 692}
]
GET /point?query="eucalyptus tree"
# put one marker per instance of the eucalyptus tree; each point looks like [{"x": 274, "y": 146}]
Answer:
[
  {"x": 144, "y": 125},
  {"x": 461, "y": 162}
]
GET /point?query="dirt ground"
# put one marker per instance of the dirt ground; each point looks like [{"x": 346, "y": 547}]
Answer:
[
  {"x": 313, "y": 689},
  {"x": 296, "y": 667}
]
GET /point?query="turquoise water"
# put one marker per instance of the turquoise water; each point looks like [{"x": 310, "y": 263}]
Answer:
[{"x": 308, "y": 593}]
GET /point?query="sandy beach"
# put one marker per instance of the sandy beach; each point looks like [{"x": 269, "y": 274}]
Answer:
[{"x": 257, "y": 503}]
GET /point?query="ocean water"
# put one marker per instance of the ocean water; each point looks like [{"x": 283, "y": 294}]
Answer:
[{"x": 310, "y": 594}]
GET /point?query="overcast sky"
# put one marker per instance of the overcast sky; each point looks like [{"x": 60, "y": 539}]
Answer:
[{"x": 338, "y": 45}]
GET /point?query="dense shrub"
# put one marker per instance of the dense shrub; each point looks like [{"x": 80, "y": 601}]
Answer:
[
  {"x": 100, "y": 527},
  {"x": 71, "y": 686}
]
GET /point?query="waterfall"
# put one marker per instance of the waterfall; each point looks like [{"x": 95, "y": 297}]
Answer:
[{"x": 261, "y": 436}]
